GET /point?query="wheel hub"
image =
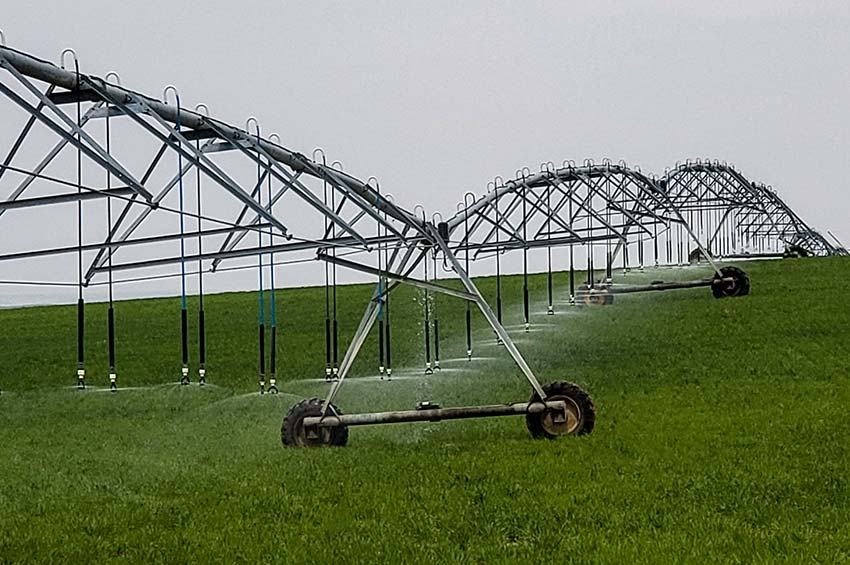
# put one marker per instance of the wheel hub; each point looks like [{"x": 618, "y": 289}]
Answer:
[{"x": 562, "y": 423}]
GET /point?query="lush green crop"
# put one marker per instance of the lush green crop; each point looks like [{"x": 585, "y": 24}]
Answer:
[{"x": 722, "y": 433}]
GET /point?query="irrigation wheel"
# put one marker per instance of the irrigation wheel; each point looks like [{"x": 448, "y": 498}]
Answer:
[
  {"x": 738, "y": 286},
  {"x": 581, "y": 414},
  {"x": 598, "y": 298},
  {"x": 697, "y": 256},
  {"x": 794, "y": 252},
  {"x": 293, "y": 433}
]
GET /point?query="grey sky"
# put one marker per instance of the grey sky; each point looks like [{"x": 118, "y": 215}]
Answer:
[{"x": 435, "y": 98}]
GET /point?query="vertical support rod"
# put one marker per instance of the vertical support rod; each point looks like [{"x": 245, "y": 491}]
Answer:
[
  {"x": 609, "y": 275},
  {"x": 551, "y": 308},
  {"x": 272, "y": 305},
  {"x": 387, "y": 330},
  {"x": 381, "y": 293},
  {"x": 184, "y": 314},
  {"x": 466, "y": 257},
  {"x": 498, "y": 263},
  {"x": 202, "y": 334},
  {"x": 524, "y": 253},
  {"x": 436, "y": 322},
  {"x": 328, "y": 339},
  {"x": 81, "y": 305},
  {"x": 572, "y": 258},
  {"x": 426, "y": 307},
  {"x": 110, "y": 314},
  {"x": 261, "y": 294}
]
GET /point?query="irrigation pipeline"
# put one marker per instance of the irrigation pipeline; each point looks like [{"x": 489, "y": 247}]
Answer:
[{"x": 165, "y": 276}]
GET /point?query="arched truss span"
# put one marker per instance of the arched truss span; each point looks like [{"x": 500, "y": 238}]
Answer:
[
  {"x": 697, "y": 209},
  {"x": 232, "y": 160},
  {"x": 736, "y": 216},
  {"x": 608, "y": 207},
  {"x": 287, "y": 201}
]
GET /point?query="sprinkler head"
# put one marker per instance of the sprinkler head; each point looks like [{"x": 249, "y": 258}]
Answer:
[{"x": 427, "y": 405}]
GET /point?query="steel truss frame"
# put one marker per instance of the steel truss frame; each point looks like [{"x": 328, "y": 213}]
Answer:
[
  {"x": 354, "y": 215},
  {"x": 699, "y": 210},
  {"x": 738, "y": 217},
  {"x": 608, "y": 205},
  {"x": 592, "y": 206}
]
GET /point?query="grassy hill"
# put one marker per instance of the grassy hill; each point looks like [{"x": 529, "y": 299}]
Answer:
[{"x": 722, "y": 433}]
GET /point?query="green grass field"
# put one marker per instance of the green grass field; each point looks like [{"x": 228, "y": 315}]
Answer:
[{"x": 722, "y": 434}]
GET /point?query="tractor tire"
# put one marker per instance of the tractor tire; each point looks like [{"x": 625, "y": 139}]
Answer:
[
  {"x": 581, "y": 414},
  {"x": 293, "y": 434}
]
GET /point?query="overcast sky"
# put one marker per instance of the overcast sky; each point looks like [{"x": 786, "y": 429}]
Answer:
[{"x": 435, "y": 98}]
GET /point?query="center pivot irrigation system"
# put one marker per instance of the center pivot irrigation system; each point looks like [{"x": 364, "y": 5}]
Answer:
[
  {"x": 262, "y": 201},
  {"x": 608, "y": 214}
]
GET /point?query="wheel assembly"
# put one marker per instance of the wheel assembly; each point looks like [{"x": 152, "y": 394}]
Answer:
[
  {"x": 795, "y": 251},
  {"x": 731, "y": 281},
  {"x": 293, "y": 432},
  {"x": 577, "y": 419},
  {"x": 598, "y": 299},
  {"x": 595, "y": 297},
  {"x": 697, "y": 256}
]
